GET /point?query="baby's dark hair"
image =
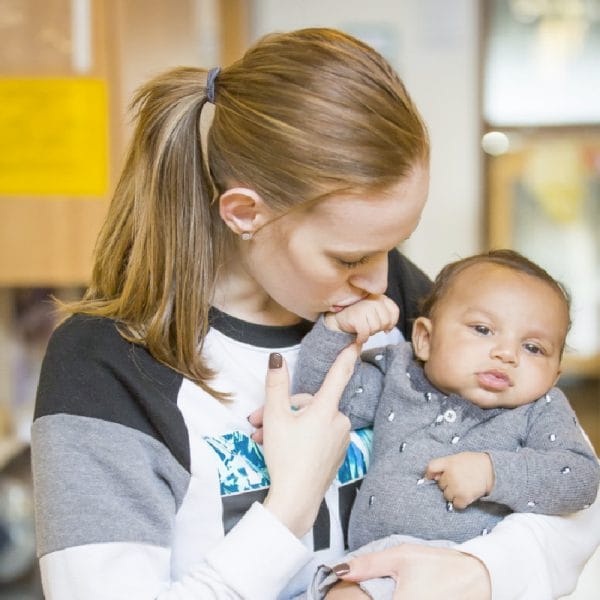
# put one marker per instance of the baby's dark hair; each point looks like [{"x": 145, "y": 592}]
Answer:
[{"x": 503, "y": 257}]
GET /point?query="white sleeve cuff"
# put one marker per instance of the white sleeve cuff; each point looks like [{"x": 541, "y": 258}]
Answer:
[{"x": 259, "y": 555}]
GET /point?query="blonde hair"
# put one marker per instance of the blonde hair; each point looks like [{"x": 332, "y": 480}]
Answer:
[{"x": 301, "y": 116}]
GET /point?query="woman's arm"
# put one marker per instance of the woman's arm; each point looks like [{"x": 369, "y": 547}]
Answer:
[
  {"x": 113, "y": 487},
  {"x": 107, "y": 504},
  {"x": 536, "y": 557},
  {"x": 420, "y": 572}
]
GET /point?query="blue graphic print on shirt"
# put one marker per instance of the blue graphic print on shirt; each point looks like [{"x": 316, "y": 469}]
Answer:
[
  {"x": 356, "y": 463},
  {"x": 242, "y": 464}
]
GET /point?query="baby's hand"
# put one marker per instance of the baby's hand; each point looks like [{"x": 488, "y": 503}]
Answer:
[
  {"x": 463, "y": 477},
  {"x": 365, "y": 317}
]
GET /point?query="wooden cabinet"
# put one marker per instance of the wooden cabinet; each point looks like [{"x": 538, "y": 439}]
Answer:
[
  {"x": 48, "y": 232},
  {"x": 47, "y": 239}
]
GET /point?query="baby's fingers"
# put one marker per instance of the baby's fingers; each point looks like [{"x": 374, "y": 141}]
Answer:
[
  {"x": 435, "y": 468},
  {"x": 392, "y": 313}
]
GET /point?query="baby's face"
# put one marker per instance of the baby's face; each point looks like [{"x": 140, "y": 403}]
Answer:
[{"x": 496, "y": 337}]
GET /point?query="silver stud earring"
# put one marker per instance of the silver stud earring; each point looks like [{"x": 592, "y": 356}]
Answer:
[{"x": 246, "y": 235}]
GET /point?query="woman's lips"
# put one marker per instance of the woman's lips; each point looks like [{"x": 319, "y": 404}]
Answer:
[
  {"x": 496, "y": 381},
  {"x": 335, "y": 308}
]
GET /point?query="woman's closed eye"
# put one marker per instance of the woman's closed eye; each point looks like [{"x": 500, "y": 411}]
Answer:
[{"x": 351, "y": 264}]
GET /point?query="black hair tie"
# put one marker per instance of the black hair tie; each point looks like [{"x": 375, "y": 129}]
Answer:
[{"x": 210, "y": 84}]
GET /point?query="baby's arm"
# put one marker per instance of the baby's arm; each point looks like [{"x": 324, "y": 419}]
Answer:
[
  {"x": 328, "y": 337},
  {"x": 556, "y": 471}
]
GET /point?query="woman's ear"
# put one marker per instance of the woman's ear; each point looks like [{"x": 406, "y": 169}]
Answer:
[
  {"x": 243, "y": 211},
  {"x": 421, "y": 338}
]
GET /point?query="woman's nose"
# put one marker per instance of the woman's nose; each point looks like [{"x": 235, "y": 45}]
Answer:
[{"x": 372, "y": 277}]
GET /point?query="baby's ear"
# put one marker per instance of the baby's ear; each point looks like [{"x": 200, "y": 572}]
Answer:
[
  {"x": 557, "y": 378},
  {"x": 421, "y": 338}
]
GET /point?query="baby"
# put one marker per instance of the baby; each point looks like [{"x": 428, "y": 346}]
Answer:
[{"x": 467, "y": 426}]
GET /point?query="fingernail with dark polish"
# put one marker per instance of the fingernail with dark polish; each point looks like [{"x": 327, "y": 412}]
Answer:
[
  {"x": 275, "y": 360},
  {"x": 341, "y": 569}
]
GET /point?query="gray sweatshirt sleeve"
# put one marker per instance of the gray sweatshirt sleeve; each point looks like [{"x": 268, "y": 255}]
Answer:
[
  {"x": 555, "y": 471},
  {"x": 318, "y": 351}
]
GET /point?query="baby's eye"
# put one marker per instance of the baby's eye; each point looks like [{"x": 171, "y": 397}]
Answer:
[
  {"x": 533, "y": 348},
  {"x": 482, "y": 329}
]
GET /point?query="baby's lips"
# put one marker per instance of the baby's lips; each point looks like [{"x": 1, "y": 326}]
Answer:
[{"x": 496, "y": 381}]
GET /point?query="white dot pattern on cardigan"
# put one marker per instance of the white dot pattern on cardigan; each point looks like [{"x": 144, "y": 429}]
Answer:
[{"x": 416, "y": 420}]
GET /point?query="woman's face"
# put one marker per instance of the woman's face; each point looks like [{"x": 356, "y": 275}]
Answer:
[{"x": 336, "y": 253}]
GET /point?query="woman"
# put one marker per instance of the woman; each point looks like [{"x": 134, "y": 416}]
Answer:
[{"x": 148, "y": 482}]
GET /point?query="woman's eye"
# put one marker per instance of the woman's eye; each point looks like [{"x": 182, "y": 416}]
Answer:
[
  {"x": 350, "y": 264},
  {"x": 482, "y": 329},
  {"x": 533, "y": 348}
]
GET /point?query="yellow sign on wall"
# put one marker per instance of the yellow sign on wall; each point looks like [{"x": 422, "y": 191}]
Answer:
[{"x": 53, "y": 137}]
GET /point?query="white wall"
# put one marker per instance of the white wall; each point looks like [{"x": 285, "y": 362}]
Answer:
[{"x": 434, "y": 46}]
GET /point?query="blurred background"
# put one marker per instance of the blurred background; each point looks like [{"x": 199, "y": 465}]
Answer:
[{"x": 508, "y": 88}]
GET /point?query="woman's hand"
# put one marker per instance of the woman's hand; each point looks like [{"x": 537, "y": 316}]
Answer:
[
  {"x": 422, "y": 572},
  {"x": 304, "y": 449}
]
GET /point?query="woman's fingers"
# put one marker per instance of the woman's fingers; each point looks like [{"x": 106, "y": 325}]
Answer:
[
  {"x": 297, "y": 402},
  {"x": 337, "y": 378},
  {"x": 371, "y": 565},
  {"x": 277, "y": 383},
  {"x": 256, "y": 418},
  {"x": 422, "y": 572},
  {"x": 318, "y": 434},
  {"x": 300, "y": 401}
]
